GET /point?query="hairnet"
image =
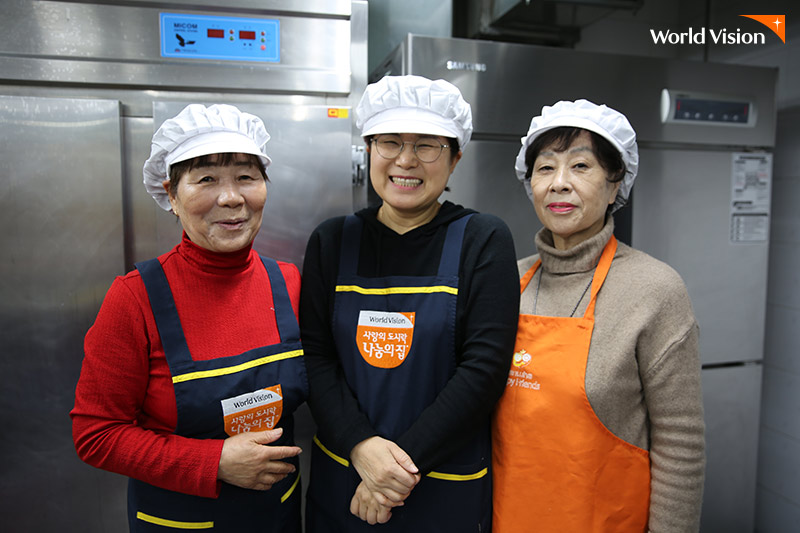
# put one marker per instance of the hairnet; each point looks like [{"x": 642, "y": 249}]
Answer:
[
  {"x": 604, "y": 121},
  {"x": 413, "y": 104},
  {"x": 196, "y": 131}
]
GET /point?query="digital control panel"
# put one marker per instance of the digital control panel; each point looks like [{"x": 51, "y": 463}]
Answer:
[
  {"x": 220, "y": 38},
  {"x": 703, "y": 108}
]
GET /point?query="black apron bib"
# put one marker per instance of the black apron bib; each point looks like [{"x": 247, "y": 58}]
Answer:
[
  {"x": 396, "y": 342},
  {"x": 252, "y": 391}
]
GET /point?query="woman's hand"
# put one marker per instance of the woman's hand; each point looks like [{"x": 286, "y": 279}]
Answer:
[
  {"x": 365, "y": 506},
  {"x": 246, "y": 460},
  {"x": 385, "y": 469}
]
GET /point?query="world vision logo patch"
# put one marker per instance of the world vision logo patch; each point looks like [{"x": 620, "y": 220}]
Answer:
[
  {"x": 776, "y": 23},
  {"x": 384, "y": 339},
  {"x": 253, "y": 411}
]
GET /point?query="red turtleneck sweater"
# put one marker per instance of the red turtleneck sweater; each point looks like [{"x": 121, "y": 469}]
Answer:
[{"x": 125, "y": 414}]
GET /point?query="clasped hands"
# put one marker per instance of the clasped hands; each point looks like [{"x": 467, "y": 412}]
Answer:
[
  {"x": 387, "y": 472},
  {"x": 387, "y": 477}
]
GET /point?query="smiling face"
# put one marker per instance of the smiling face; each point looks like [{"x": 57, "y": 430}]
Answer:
[
  {"x": 410, "y": 188},
  {"x": 220, "y": 207},
  {"x": 571, "y": 191}
]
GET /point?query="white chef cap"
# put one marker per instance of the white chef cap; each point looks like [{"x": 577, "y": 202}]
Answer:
[
  {"x": 602, "y": 120},
  {"x": 413, "y": 104},
  {"x": 196, "y": 131}
]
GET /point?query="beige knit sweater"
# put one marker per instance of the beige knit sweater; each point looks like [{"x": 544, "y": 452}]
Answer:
[{"x": 643, "y": 372}]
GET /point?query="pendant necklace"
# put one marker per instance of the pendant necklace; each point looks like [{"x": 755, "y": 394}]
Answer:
[{"x": 539, "y": 283}]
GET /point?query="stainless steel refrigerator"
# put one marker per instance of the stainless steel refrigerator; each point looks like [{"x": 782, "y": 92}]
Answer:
[
  {"x": 700, "y": 203},
  {"x": 83, "y": 85}
]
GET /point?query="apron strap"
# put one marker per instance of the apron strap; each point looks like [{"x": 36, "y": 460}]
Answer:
[
  {"x": 451, "y": 251},
  {"x": 288, "y": 328},
  {"x": 600, "y": 273},
  {"x": 164, "y": 311},
  {"x": 524, "y": 280},
  {"x": 351, "y": 244},
  {"x": 169, "y": 324}
]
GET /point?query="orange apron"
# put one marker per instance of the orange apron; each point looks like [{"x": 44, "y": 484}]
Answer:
[{"x": 556, "y": 466}]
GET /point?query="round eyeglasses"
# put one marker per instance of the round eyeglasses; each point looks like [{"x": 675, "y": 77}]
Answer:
[{"x": 427, "y": 149}]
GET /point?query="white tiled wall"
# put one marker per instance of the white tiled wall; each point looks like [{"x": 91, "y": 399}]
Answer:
[{"x": 778, "y": 492}]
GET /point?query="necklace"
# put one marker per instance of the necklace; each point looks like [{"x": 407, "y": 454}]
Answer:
[{"x": 539, "y": 283}]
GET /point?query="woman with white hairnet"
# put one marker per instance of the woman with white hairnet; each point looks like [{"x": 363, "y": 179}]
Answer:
[
  {"x": 601, "y": 426},
  {"x": 194, "y": 366},
  {"x": 408, "y": 314}
]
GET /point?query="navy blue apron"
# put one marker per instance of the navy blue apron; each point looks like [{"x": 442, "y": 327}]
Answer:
[
  {"x": 227, "y": 395},
  {"x": 395, "y": 337}
]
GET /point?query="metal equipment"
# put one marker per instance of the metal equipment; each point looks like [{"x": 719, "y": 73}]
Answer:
[
  {"x": 83, "y": 85},
  {"x": 701, "y": 201}
]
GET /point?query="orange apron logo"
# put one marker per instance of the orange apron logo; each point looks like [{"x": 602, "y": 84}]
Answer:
[
  {"x": 384, "y": 339},
  {"x": 521, "y": 359},
  {"x": 518, "y": 375},
  {"x": 255, "y": 411}
]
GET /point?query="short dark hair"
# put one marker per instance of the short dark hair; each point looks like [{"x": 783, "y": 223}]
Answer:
[
  {"x": 454, "y": 146},
  {"x": 562, "y": 138},
  {"x": 223, "y": 159}
]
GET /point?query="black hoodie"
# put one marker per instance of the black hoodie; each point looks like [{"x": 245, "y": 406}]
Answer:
[{"x": 486, "y": 323}]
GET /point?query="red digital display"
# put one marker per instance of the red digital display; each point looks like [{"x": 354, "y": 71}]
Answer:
[
  {"x": 219, "y": 34},
  {"x": 251, "y": 35}
]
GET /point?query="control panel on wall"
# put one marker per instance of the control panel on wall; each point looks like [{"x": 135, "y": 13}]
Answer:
[
  {"x": 687, "y": 107},
  {"x": 220, "y": 38}
]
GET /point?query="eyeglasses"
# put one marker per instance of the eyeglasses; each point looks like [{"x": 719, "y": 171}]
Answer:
[{"x": 426, "y": 149}]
